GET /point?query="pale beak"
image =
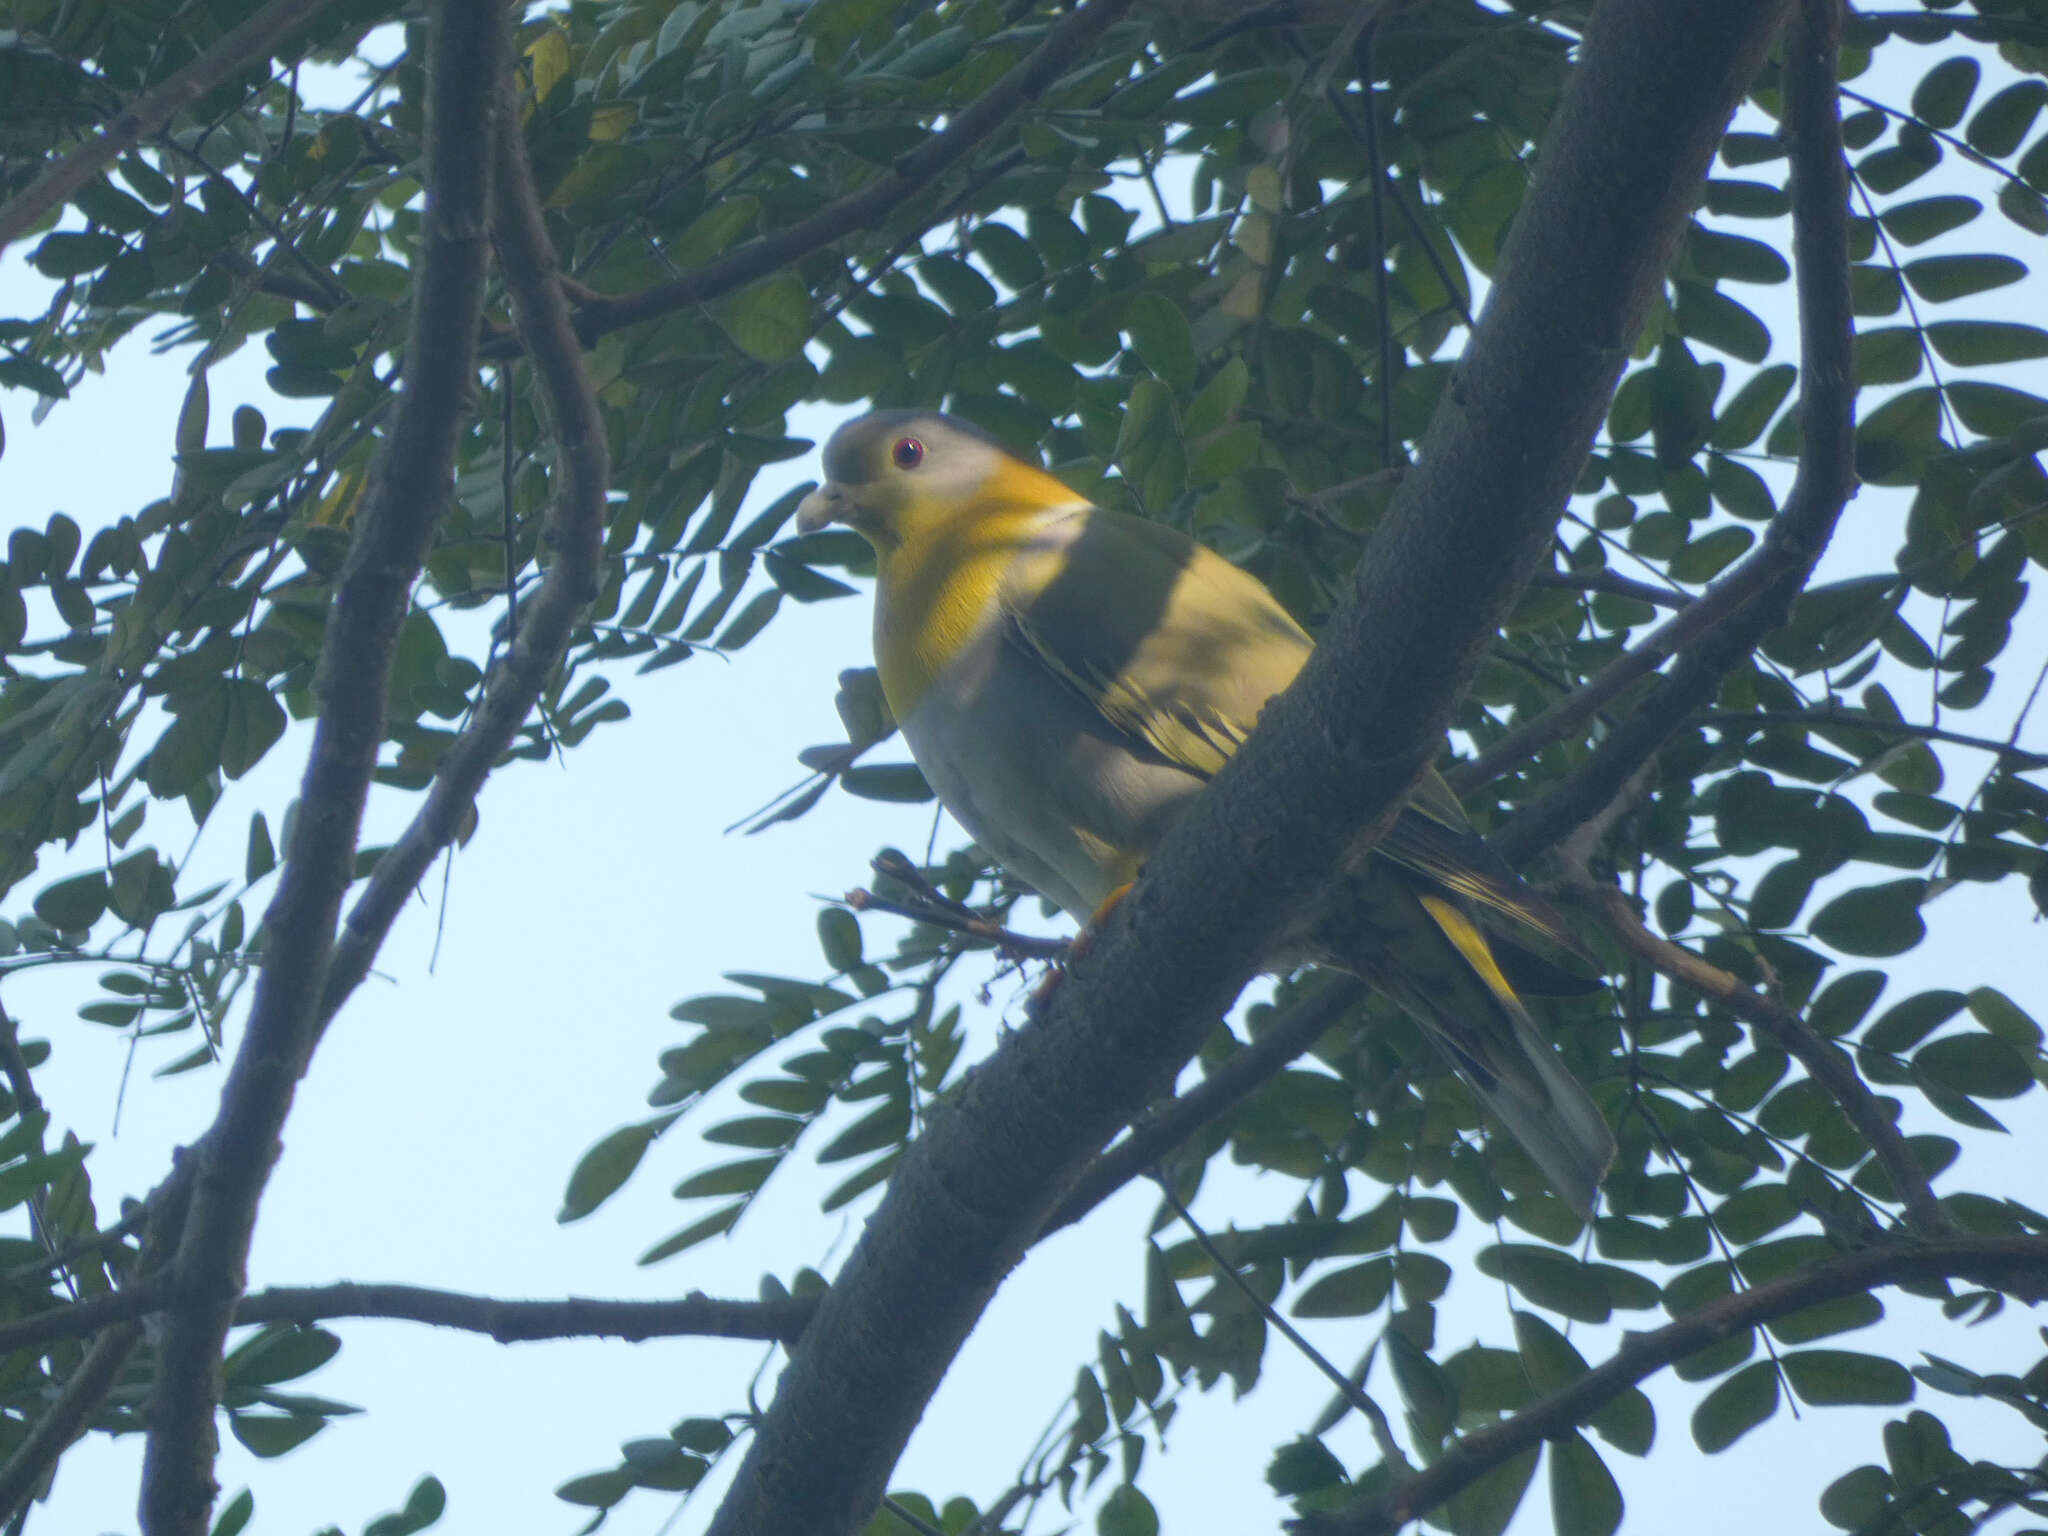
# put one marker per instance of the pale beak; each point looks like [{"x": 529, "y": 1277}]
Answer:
[{"x": 827, "y": 504}]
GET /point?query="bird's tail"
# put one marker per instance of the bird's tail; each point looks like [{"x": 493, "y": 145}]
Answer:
[{"x": 1424, "y": 952}]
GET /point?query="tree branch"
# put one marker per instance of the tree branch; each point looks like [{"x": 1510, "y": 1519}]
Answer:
[
  {"x": 507, "y": 1321},
  {"x": 255, "y": 38},
  {"x": 1330, "y": 761},
  {"x": 1824, "y": 1062},
  {"x": 1774, "y": 574},
  {"x": 518, "y": 1322},
  {"x": 1706, "y": 613},
  {"x": 575, "y": 535},
  {"x": 50, "y": 1436},
  {"x": 2013, "y": 759},
  {"x": 1615, "y": 584},
  {"x": 1165, "y": 1126},
  {"x": 1995, "y": 1262},
  {"x": 232, "y": 1162},
  {"x": 911, "y": 176}
]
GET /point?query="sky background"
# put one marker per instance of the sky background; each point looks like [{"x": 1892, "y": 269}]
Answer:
[{"x": 432, "y": 1140}]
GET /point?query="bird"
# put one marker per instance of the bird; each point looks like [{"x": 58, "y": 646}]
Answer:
[{"x": 1068, "y": 678}]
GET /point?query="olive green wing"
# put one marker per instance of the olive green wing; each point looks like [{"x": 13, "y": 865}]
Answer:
[
  {"x": 1433, "y": 838},
  {"x": 1174, "y": 645}
]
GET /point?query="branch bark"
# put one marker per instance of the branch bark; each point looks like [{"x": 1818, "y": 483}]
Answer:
[
  {"x": 1775, "y": 573},
  {"x": 519, "y": 1322},
  {"x": 507, "y": 1321},
  {"x": 1995, "y": 1262},
  {"x": 575, "y": 535},
  {"x": 232, "y": 1162},
  {"x": 1330, "y": 761},
  {"x": 255, "y": 38}
]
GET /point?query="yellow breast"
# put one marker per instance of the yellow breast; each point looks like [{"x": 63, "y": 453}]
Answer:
[{"x": 935, "y": 590}]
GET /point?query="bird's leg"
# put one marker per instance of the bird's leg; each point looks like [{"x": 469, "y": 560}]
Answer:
[{"x": 1078, "y": 946}]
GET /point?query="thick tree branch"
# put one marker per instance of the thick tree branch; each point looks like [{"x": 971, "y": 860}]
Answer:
[
  {"x": 50, "y": 1436},
  {"x": 1165, "y": 1126},
  {"x": 232, "y": 1162},
  {"x": 1995, "y": 1262},
  {"x": 574, "y": 535},
  {"x": 1332, "y": 757},
  {"x": 1824, "y": 1061},
  {"x": 518, "y": 1322},
  {"x": 1774, "y": 574},
  {"x": 1065, "y": 47},
  {"x": 256, "y": 38}
]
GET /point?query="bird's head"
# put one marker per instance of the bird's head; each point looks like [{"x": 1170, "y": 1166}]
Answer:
[{"x": 895, "y": 477}]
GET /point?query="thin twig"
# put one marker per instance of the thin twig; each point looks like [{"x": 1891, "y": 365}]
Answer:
[
  {"x": 1353, "y": 1393},
  {"x": 234, "y": 1159},
  {"x": 255, "y": 38},
  {"x": 1824, "y": 1061},
  {"x": 2010, "y": 1262},
  {"x": 507, "y": 1321},
  {"x": 574, "y": 535},
  {"x": 1770, "y": 577},
  {"x": 50, "y": 1436},
  {"x": 911, "y": 176},
  {"x": 1168, "y": 1124},
  {"x": 516, "y": 1322}
]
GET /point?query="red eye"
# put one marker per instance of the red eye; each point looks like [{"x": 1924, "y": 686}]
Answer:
[{"x": 908, "y": 453}]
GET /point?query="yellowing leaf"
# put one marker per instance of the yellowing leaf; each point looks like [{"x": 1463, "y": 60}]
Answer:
[
  {"x": 549, "y": 55},
  {"x": 609, "y": 123}
]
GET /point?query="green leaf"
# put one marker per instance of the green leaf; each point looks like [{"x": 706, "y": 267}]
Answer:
[
  {"x": 75, "y": 904},
  {"x": 1736, "y": 1406},
  {"x": 1856, "y": 1500},
  {"x": 2001, "y": 124},
  {"x": 1829, "y": 1376},
  {"x": 718, "y": 1222},
  {"x": 2005, "y": 1018},
  {"x": 66, "y": 254},
  {"x": 839, "y": 937},
  {"x": 1584, "y": 1499},
  {"x": 1980, "y": 343},
  {"x": 1549, "y": 1277},
  {"x": 1977, "y": 1064},
  {"x": 1349, "y": 1292},
  {"x": 272, "y": 1434},
  {"x": 424, "y": 1507},
  {"x": 1875, "y": 920},
  {"x": 1941, "y": 278},
  {"x": 1127, "y": 1512},
  {"x": 1943, "y": 94},
  {"x": 1925, "y": 218},
  {"x": 1485, "y": 1507},
  {"x": 769, "y": 321},
  {"x": 899, "y": 783},
  {"x": 234, "y": 1514},
  {"x": 605, "y": 1167},
  {"x": 1905, "y": 1024},
  {"x": 1160, "y": 335}
]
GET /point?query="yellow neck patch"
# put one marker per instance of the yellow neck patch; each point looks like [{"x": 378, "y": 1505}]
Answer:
[{"x": 939, "y": 567}]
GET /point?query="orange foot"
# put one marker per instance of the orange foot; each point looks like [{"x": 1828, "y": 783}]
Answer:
[{"x": 1081, "y": 944}]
